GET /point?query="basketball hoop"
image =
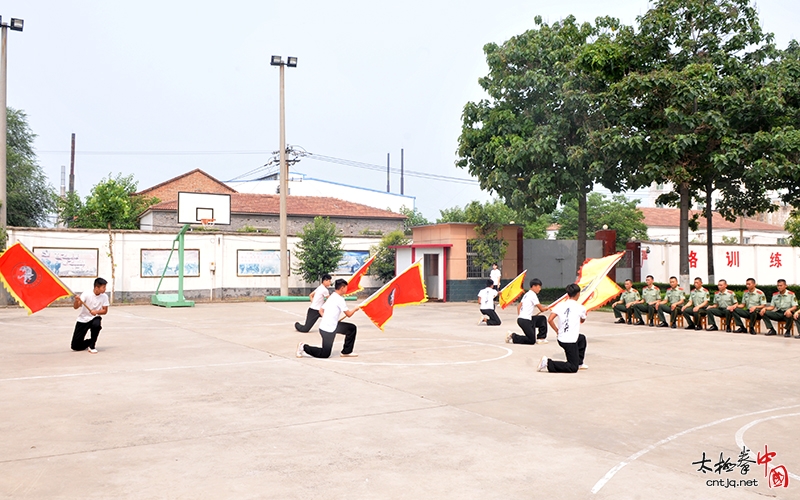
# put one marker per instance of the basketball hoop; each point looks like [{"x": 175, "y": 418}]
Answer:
[{"x": 207, "y": 222}]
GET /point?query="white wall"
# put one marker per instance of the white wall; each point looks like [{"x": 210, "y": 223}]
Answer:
[
  {"x": 672, "y": 234},
  {"x": 733, "y": 263},
  {"x": 218, "y": 248}
]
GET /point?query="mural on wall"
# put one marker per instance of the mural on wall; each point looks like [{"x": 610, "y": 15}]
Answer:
[
  {"x": 153, "y": 262},
  {"x": 259, "y": 262},
  {"x": 351, "y": 261},
  {"x": 69, "y": 262}
]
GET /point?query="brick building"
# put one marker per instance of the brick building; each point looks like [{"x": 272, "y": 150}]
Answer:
[{"x": 261, "y": 212}]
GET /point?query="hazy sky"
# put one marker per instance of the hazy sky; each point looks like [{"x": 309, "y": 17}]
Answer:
[{"x": 158, "y": 88}]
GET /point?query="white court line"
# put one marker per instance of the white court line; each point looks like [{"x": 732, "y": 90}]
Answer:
[
  {"x": 165, "y": 368},
  {"x": 740, "y": 436},
  {"x": 602, "y": 482},
  {"x": 447, "y": 363}
]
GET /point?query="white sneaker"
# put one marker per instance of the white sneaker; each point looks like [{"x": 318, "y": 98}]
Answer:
[
  {"x": 543, "y": 364},
  {"x": 349, "y": 355},
  {"x": 542, "y": 341},
  {"x": 583, "y": 367},
  {"x": 92, "y": 350},
  {"x": 509, "y": 337},
  {"x": 483, "y": 319},
  {"x": 300, "y": 350}
]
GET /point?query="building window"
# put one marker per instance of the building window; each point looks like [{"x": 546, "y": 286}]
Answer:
[
  {"x": 746, "y": 240},
  {"x": 474, "y": 270},
  {"x": 783, "y": 241}
]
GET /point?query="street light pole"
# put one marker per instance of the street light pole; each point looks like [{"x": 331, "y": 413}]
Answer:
[
  {"x": 284, "y": 176},
  {"x": 16, "y": 25}
]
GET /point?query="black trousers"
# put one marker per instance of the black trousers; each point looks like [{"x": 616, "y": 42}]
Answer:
[
  {"x": 347, "y": 329},
  {"x": 575, "y": 353},
  {"x": 79, "y": 342},
  {"x": 692, "y": 316},
  {"x": 528, "y": 328},
  {"x": 741, "y": 312},
  {"x": 494, "y": 319},
  {"x": 311, "y": 317},
  {"x": 720, "y": 312}
]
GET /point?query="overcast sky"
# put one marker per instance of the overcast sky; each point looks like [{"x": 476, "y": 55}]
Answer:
[{"x": 158, "y": 88}]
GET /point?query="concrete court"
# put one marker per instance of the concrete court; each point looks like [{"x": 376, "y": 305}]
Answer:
[{"x": 211, "y": 402}]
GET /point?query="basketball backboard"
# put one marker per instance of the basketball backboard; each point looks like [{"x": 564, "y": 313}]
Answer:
[{"x": 195, "y": 208}]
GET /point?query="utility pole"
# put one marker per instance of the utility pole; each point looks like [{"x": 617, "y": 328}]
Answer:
[{"x": 72, "y": 166}]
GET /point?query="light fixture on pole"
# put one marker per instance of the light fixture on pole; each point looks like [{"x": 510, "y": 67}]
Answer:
[
  {"x": 15, "y": 25},
  {"x": 284, "y": 176}
]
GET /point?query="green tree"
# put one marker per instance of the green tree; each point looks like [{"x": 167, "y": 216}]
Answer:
[
  {"x": 530, "y": 140},
  {"x": 30, "y": 197},
  {"x": 384, "y": 265},
  {"x": 111, "y": 205},
  {"x": 319, "y": 250},
  {"x": 695, "y": 104},
  {"x": 489, "y": 218},
  {"x": 413, "y": 218},
  {"x": 617, "y": 213}
]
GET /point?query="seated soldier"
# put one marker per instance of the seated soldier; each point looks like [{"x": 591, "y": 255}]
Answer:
[
  {"x": 672, "y": 303},
  {"x": 696, "y": 307},
  {"x": 724, "y": 304},
  {"x": 627, "y": 300},
  {"x": 651, "y": 296},
  {"x": 781, "y": 308}
]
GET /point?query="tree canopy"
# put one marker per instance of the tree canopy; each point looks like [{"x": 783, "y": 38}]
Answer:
[
  {"x": 616, "y": 212},
  {"x": 319, "y": 250},
  {"x": 384, "y": 265},
  {"x": 30, "y": 197},
  {"x": 530, "y": 140},
  {"x": 695, "y": 100},
  {"x": 112, "y": 204}
]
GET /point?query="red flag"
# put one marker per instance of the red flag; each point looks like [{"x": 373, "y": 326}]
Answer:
[
  {"x": 354, "y": 283},
  {"x": 405, "y": 289},
  {"x": 29, "y": 281}
]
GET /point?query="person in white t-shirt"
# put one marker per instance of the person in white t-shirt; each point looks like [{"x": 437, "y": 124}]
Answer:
[
  {"x": 528, "y": 317},
  {"x": 330, "y": 325},
  {"x": 486, "y": 300},
  {"x": 317, "y": 297},
  {"x": 92, "y": 305},
  {"x": 494, "y": 274},
  {"x": 570, "y": 316}
]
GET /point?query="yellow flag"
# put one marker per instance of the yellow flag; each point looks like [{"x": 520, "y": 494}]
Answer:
[
  {"x": 510, "y": 292},
  {"x": 596, "y": 287}
]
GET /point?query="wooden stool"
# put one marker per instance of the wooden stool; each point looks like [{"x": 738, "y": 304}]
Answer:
[{"x": 758, "y": 325}]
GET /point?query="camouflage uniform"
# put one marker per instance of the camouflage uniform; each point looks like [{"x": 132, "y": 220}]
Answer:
[
  {"x": 722, "y": 301},
  {"x": 672, "y": 296},
  {"x": 756, "y": 298},
  {"x": 696, "y": 297},
  {"x": 626, "y": 298},
  {"x": 652, "y": 294},
  {"x": 782, "y": 302}
]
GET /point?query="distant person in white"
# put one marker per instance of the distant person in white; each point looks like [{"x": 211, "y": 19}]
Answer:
[
  {"x": 330, "y": 325},
  {"x": 570, "y": 317},
  {"x": 494, "y": 274},
  {"x": 92, "y": 305},
  {"x": 317, "y": 297},
  {"x": 486, "y": 300},
  {"x": 529, "y": 319}
]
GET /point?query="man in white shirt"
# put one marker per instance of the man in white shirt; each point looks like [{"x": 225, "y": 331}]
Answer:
[
  {"x": 528, "y": 317},
  {"x": 494, "y": 274},
  {"x": 317, "y": 297},
  {"x": 330, "y": 325},
  {"x": 570, "y": 317},
  {"x": 92, "y": 305},
  {"x": 486, "y": 300}
]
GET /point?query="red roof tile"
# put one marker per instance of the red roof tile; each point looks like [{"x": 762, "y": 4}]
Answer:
[
  {"x": 221, "y": 187},
  {"x": 670, "y": 217},
  {"x": 269, "y": 204}
]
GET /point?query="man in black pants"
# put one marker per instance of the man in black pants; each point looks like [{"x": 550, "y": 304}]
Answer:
[
  {"x": 330, "y": 325},
  {"x": 317, "y": 297},
  {"x": 92, "y": 305},
  {"x": 486, "y": 300},
  {"x": 570, "y": 316},
  {"x": 529, "y": 321}
]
